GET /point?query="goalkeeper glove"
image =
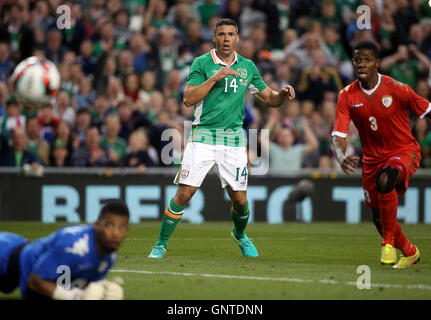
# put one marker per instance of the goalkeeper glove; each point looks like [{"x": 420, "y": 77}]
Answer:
[
  {"x": 93, "y": 291},
  {"x": 113, "y": 289}
]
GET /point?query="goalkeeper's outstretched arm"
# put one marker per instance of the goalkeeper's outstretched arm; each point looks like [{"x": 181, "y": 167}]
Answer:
[{"x": 97, "y": 290}]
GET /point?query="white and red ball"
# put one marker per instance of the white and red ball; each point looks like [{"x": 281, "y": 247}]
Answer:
[{"x": 36, "y": 81}]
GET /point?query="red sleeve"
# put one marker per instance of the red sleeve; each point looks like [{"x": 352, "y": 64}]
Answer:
[
  {"x": 342, "y": 116},
  {"x": 419, "y": 105}
]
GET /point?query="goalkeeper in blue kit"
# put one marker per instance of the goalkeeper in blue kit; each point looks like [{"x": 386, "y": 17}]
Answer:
[{"x": 69, "y": 264}]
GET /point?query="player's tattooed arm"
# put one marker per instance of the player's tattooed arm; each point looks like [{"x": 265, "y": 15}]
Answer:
[
  {"x": 193, "y": 94},
  {"x": 347, "y": 163},
  {"x": 275, "y": 99}
]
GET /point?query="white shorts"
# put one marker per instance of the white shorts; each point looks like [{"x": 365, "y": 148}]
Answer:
[{"x": 230, "y": 164}]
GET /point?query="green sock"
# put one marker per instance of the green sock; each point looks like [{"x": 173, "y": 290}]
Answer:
[
  {"x": 171, "y": 217},
  {"x": 240, "y": 220}
]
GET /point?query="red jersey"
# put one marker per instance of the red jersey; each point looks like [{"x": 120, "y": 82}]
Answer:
[{"x": 382, "y": 117}]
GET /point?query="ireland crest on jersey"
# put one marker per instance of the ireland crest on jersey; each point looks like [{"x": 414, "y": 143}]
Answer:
[{"x": 242, "y": 72}]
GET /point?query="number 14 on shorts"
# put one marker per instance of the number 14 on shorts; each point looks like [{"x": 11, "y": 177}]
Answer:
[{"x": 243, "y": 173}]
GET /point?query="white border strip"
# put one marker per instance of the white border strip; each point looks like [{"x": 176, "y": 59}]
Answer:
[
  {"x": 296, "y": 280},
  {"x": 426, "y": 112},
  {"x": 339, "y": 134}
]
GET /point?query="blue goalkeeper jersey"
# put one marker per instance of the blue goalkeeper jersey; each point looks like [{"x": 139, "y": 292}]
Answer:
[{"x": 73, "y": 247}]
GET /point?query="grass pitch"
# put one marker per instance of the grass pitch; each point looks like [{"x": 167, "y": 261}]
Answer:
[{"x": 297, "y": 261}]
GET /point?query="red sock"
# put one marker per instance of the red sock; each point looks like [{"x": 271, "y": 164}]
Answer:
[
  {"x": 388, "y": 203},
  {"x": 402, "y": 243}
]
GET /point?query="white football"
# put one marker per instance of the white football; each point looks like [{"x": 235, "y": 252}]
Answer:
[{"x": 36, "y": 81}]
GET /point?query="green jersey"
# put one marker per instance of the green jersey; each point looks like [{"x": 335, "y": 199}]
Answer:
[{"x": 218, "y": 118}]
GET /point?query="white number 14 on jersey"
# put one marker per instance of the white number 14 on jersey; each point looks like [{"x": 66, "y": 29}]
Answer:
[{"x": 232, "y": 84}]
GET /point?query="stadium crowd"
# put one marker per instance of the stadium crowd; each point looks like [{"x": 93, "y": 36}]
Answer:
[{"x": 123, "y": 65}]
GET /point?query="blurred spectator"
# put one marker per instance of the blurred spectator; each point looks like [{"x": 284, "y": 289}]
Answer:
[
  {"x": 180, "y": 15},
  {"x": 423, "y": 135},
  {"x": 247, "y": 49},
  {"x": 64, "y": 132},
  {"x": 304, "y": 47},
  {"x": 326, "y": 162},
  {"x": 400, "y": 67},
  {"x": 423, "y": 89},
  {"x": 42, "y": 20},
  {"x": 328, "y": 15},
  {"x": 387, "y": 28},
  {"x": 16, "y": 154},
  {"x": 139, "y": 48},
  {"x": 284, "y": 154},
  {"x": 319, "y": 78},
  {"x": 164, "y": 54},
  {"x": 156, "y": 14},
  {"x": 54, "y": 49},
  {"x": 125, "y": 64},
  {"x": 113, "y": 6},
  {"x": 115, "y": 91},
  {"x": 111, "y": 141},
  {"x": 16, "y": 32},
  {"x": 148, "y": 81},
  {"x": 73, "y": 36},
  {"x": 155, "y": 105},
  {"x": 12, "y": 119},
  {"x": 231, "y": 9},
  {"x": 82, "y": 123},
  {"x": 91, "y": 154},
  {"x": 173, "y": 85},
  {"x": 102, "y": 76},
  {"x": 404, "y": 18},
  {"x": 35, "y": 143},
  {"x": 60, "y": 156},
  {"x": 75, "y": 77},
  {"x": 4, "y": 95},
  {"x": 49, "y": 123},
  {"x": 194, "y": 37},
  {"x": 139, "y": 154},
  {"x": 342, "y": 60},
  {"x": 106, "y": 42},
  {"x": 289, "y": 36},
  {"x": 207, "y": 9},
  {"x": 96, "y": 11},
  {"x": 131, "y": 86},
  {"x": 122, "y": 33},
  {"x": 87, "y": 61},
  {"x": 417, "y": 36},
  {"x": 283, "y": 75},
  {"x": 6, "y": 63},
  {"x": 130, "y": 119},
  {"x": 272, "y": 14},
  {"x": 63, "y": 108},
  {"x": 86, "y": 95},
  {"x": 135, "y": 7},
  {"x": 307, "y": 109},
  {"x": 101, "y": 109}
]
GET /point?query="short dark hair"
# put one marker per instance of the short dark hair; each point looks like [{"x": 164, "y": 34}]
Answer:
[
  {"x": 82, "y": 111},
  {"x": 367, "y": 44},
  {"x": 12, "y": 103},
  {"x": 116, "y": 207},
  {"x": 225, "y": 22}
]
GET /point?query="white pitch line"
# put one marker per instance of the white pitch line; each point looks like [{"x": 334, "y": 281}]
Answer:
[{"x": 296, "y": 280}]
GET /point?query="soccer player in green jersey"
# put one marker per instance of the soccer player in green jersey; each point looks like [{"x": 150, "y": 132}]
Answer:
[{"x": 216, "y": 87}]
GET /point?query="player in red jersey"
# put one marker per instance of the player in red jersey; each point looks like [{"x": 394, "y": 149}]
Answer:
[{"x": 379, "y": 108}]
